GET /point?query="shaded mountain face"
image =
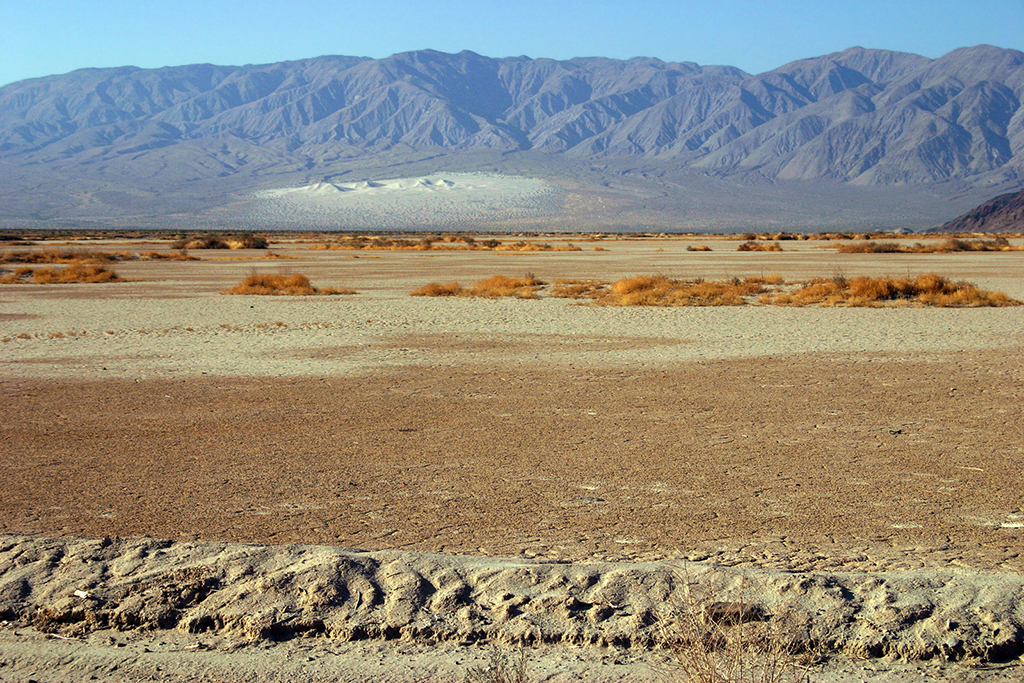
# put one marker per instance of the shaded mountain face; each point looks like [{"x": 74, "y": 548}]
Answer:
[
  {"x": 866, "y": 117},
  {"x": 1004, "y": 213}
]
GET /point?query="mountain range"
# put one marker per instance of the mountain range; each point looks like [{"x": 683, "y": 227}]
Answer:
[{"x": 869, "y": 137}]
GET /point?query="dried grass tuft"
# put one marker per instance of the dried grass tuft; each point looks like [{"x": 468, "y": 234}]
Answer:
[
  {"x": 735, "y": 642},
  {"x": 75, "y": 273},
  {"x": 501, "y": 286},
  {"x": 577, "y": 289},
  {"x": 268, "y": 284},
  {"x": 436, "y": 289},
  {"x": 501, "y": 668}
]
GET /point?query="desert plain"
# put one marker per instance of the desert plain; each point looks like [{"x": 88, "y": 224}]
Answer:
[{"x": 375, "y": 486}]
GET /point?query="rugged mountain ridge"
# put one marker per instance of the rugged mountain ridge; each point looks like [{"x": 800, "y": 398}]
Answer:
[{"x": 865, "y": 117}]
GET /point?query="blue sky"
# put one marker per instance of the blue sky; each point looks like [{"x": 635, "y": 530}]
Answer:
[{"x": 41, "y": 38}]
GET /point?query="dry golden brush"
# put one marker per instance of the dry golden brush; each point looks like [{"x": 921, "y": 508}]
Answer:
[
  {"x": 947, "y": 246},
  {"x": 498, "y": 286},
  {"x": 268, "y": 284},
  {"x": 658, "y": 290},
  {"x": 525, "y": 287},
  {"x": 438, "y": 289},
  {"x": 65, "y": 256},
  {"x": 74, "y": 273},
  {"x": 767, "y": 290},
  {"x": 929, "y": 289},
  {"x": 577, "y": 289}
]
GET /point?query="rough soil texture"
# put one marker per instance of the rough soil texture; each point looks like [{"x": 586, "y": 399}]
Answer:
[
  {"x": 381, "y": 487},
  {"x": 799, "y": 462}
]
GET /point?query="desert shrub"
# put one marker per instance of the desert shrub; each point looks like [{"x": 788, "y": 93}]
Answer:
[
  {"x": 75, "y": 273},
  {"x": 736, "y": 642},
  {"x": 14, "y": 278},
  {"x": 771, "y": 279},
  {"x": 577, "y": 289},
  {"x": 770, "y": 290},
  {"x": 268, "y": 284},
  {"x": 869, "y": 248},
  {"x": 944, "y": 247},
  {"x": 437, "y": 289},
  {"x": 534, "y": 246},
  {"x": 64, "y": 256},
  {"x": 208, "y": 242},
  {"x": 994, "y": 244},
  {"x": 501, "y": 668},
  {"x": 650, "y": 290},
  {"x": 492, "y": 288},
  {"x": 756, "y": 246},
  {"x": 246, "y": 241},
  {"x": 657, "y": 290},
  {"x": 501, "y": 286},
  {"x": 929, "y": 289},
  {"x": 167, "y": 256}
]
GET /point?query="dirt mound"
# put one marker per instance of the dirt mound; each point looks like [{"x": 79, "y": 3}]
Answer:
[{"x": 270, "y": 593}]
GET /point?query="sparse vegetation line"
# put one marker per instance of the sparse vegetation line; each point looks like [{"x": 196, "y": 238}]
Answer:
[
  {"x": 947, "y": 246},
  {"x": 771, "y": 290},
  {"x": 444, "y": 243},
  {"x": 222, "y": 242},
  {"x": 75, "y": 273},
  {"x": 525, "y": 287}
]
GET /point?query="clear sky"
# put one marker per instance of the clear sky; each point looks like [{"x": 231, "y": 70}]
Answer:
[{"x": 39, "y": 38}]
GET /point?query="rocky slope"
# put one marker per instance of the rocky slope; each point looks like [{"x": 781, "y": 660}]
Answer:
[{"x": 1004, "y": 213}]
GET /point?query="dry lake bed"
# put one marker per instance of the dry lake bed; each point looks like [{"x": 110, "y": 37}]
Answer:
[{"x": 381, "y": 487}]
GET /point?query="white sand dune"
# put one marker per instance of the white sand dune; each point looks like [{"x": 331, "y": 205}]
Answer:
[{"x": 452, "y": 200}]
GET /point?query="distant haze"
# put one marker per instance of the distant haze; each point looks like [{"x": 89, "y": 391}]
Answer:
[{"x": 866, "y": 138}]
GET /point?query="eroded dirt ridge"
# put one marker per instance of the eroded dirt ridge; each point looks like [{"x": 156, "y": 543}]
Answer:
[{"x": 256, "y": 593}]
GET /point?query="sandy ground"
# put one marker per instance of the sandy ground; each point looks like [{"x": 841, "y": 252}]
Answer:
[{"x": 606, "y": 448}]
